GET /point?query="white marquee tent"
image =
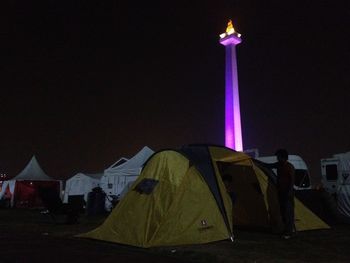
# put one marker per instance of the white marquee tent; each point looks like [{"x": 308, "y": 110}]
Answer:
[
  {"x": 25, "y": 185},
  {"x": 116, "y": 178},
  {"x": 80, "y": 185}
]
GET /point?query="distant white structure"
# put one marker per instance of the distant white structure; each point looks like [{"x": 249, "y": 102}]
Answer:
[
  {"x": 23, "y": 188},
  {"x": 80, "y": 185},
  {"x": 335, "y": 172},
  {"x": 117, "y": 177}
]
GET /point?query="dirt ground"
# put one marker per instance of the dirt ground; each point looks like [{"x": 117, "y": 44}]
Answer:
[{"x": 29, "y": 236}]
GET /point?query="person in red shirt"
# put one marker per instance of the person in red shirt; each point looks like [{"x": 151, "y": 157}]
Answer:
[{"x": 285, "y": 190}]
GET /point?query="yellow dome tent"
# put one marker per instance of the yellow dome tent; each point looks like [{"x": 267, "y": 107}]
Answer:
[{"x": 180, "y": 198}]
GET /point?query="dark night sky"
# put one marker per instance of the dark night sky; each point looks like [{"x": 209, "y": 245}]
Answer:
[{"x": 84, "y": 84}]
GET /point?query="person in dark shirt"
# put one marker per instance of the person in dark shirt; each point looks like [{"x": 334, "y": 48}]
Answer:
[{"x": 285, "y": 191}]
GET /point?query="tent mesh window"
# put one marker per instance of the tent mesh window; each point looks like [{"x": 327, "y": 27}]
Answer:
[{"x": 146, "y": 186}]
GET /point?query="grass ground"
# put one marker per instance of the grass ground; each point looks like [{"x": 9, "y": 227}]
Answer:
[{"x": 29, "y": 236}]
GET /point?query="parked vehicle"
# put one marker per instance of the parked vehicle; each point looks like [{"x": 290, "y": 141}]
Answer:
[{"x": 335, "y": 171}]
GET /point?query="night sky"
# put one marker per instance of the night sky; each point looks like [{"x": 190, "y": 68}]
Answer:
[{"x": 84, "y": 84}]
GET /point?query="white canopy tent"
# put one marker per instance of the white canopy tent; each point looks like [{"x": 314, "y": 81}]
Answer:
[
  {"x": 33, "y": 172},
  {"x": 81, "y": 184},
  {"x": 10, "y": 184},
  {"x": 117, "y": 163},
  {"x": 33, "y": 176},
  {"x": 116, "y": 178}
]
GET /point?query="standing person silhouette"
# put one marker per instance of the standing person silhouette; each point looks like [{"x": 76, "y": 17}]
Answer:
[{"x": 285, "y": 190}]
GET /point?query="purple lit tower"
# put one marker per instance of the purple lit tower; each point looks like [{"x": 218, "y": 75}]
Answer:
[{"x": 233, "y": 129}]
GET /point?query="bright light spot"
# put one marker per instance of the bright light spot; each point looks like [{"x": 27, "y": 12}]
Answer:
[
  {"x": 230, "y": 28},
  {"x": 231, "y": 31}
]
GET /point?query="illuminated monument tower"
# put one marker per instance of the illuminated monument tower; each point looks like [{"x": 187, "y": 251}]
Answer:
[{"x": 233, "y": 130}]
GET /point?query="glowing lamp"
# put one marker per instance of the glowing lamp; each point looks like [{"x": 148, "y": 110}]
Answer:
[{"x": 233, "y": 129}]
